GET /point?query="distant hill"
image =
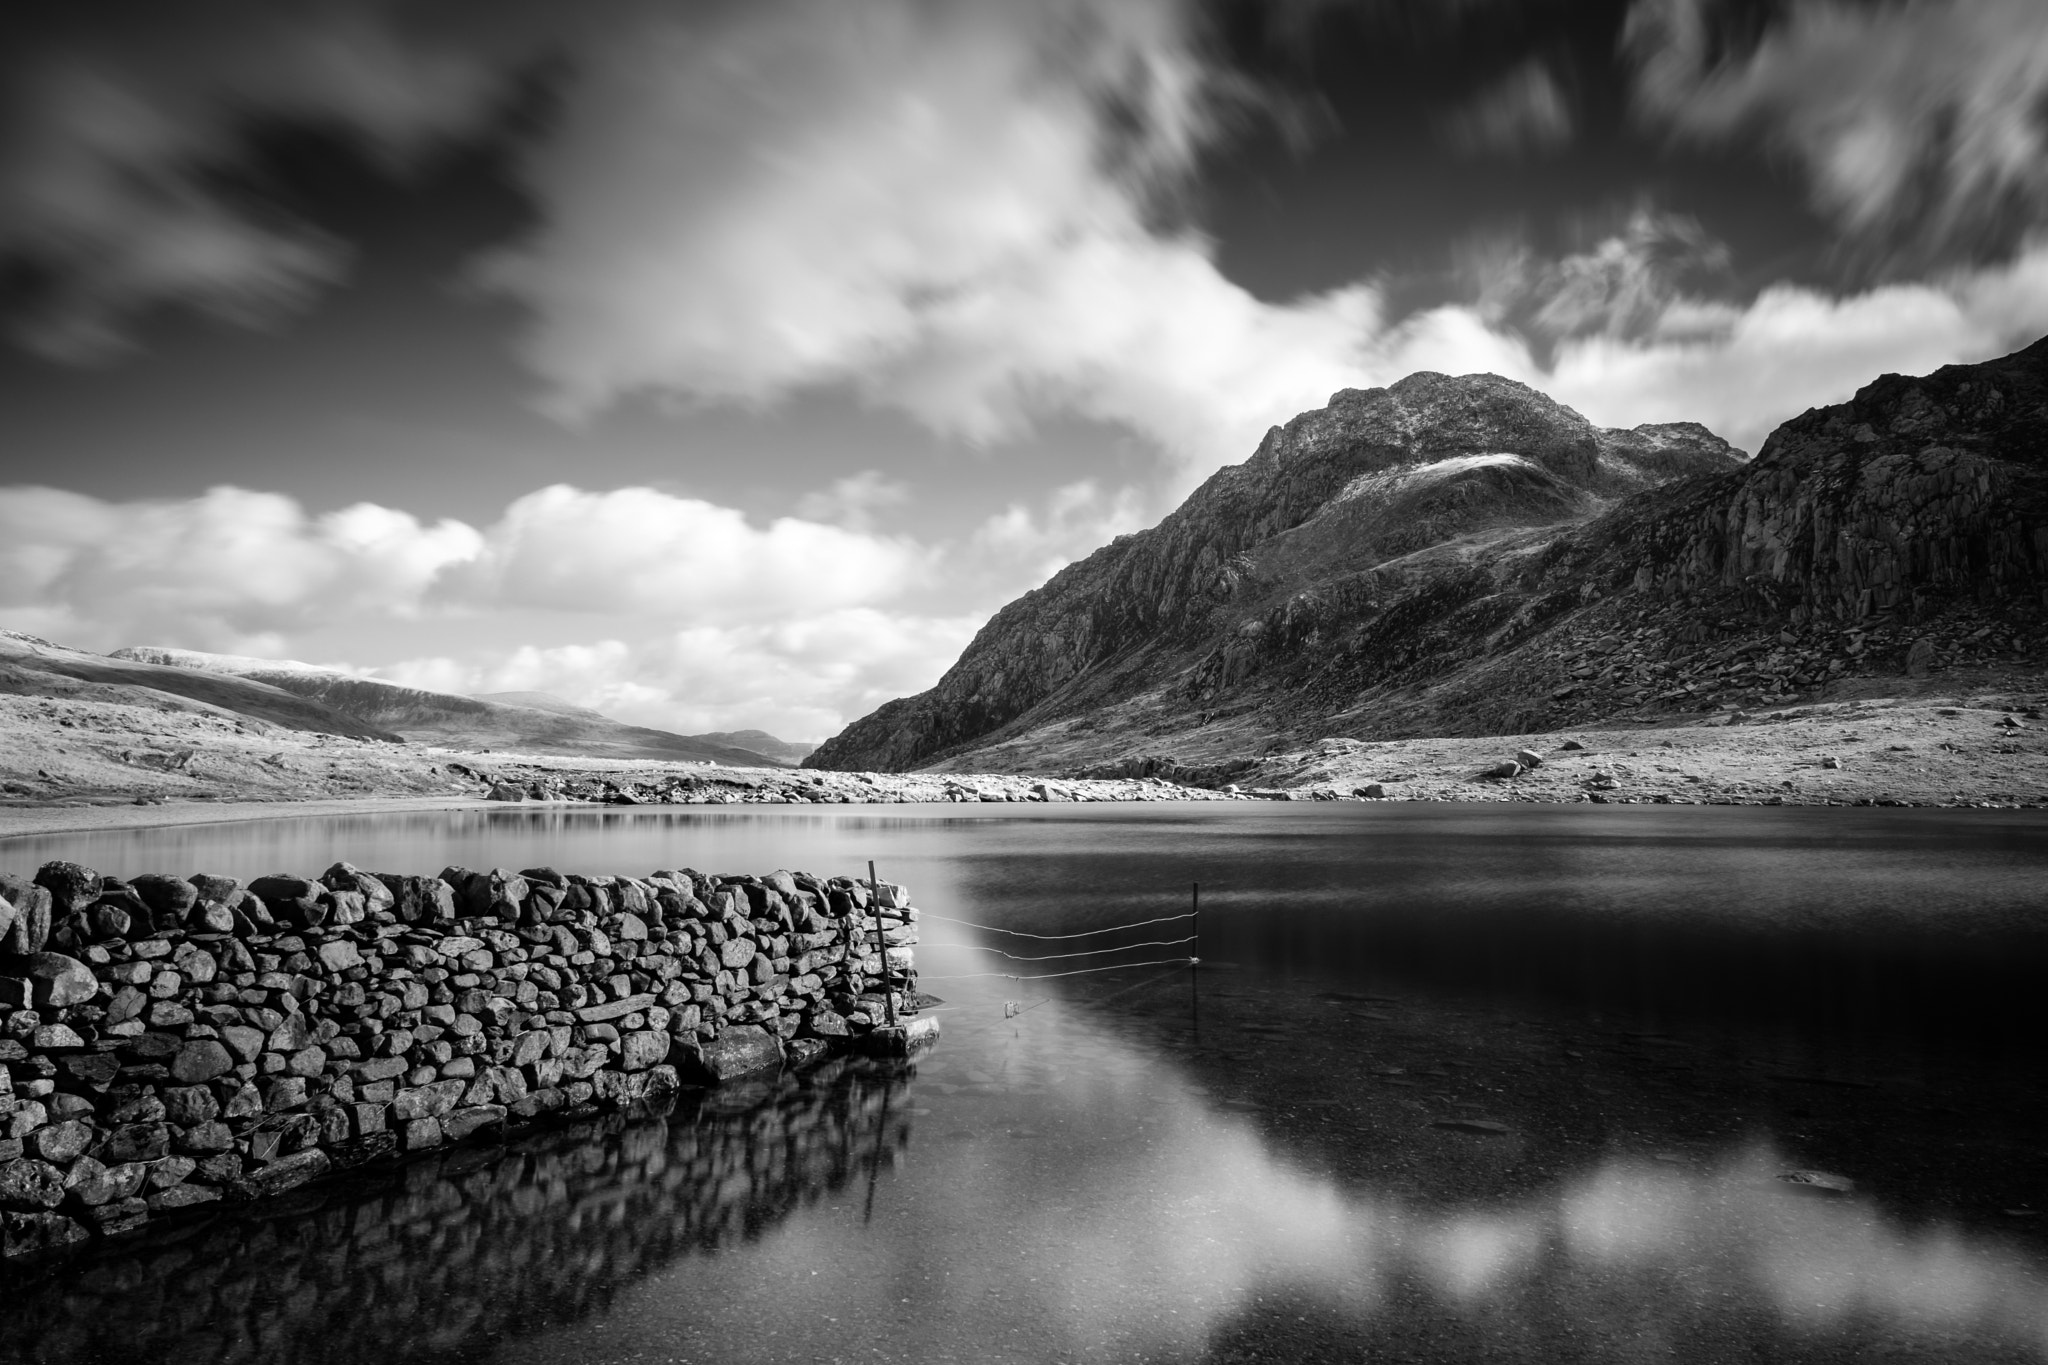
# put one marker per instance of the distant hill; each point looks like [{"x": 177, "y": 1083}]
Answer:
[
  {"x": 38, "y": 668},
  {"x": 763, "y": 743},
  {"x": 543, "y": 725}
]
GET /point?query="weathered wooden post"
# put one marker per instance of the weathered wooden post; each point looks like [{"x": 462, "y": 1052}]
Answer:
[{"x": 881, "y": 945}]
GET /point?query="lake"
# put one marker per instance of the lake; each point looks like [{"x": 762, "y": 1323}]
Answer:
[{"x": 1451, "y": 1083}]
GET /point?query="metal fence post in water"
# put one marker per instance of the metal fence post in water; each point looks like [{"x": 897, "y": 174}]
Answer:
[
  {"x": 882, "y": 944},
  {"x": 1195, "y": 957}
]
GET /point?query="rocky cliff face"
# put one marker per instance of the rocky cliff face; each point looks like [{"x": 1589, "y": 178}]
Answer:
[{"x": 1465, "y": 555}]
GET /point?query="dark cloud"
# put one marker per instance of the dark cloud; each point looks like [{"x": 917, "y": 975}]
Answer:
[{"x": 120, "y": 121}]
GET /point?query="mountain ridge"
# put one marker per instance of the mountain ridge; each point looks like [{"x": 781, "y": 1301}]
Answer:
[{"x": 1438, "y": 556}]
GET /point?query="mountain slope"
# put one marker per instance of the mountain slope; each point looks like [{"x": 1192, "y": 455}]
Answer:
[
  {"x": 1465, "y": 556},
  {"x": 453, "y": 721},
  {"x": 33, "y": 667}
]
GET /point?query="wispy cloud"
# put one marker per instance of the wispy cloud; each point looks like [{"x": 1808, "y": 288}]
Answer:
[
  {"x": 111, "y": 198},
  {"x": 1921, "y": 125},
  {"x": 1526, "y": 110}
]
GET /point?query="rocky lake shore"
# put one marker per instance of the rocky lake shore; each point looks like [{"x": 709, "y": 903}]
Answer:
[{"x": 1976, "y": 740}]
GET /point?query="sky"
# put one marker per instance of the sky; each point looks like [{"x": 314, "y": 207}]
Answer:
[{"x": 726, "y": 365}]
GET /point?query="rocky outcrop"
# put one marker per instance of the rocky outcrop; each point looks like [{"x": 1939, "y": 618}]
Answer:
[
  {"x": 167, "y": 1043},
  {"x": 1456, "y": 556}
]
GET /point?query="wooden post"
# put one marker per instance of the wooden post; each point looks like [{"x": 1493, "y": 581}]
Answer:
[
  {"x": 1195, "y": 957},
  {"x": 882, "y": 945}
]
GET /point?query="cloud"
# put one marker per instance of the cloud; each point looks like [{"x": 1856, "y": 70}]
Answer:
[
  {"x": 853, "y": 501},
  {"x": 667, "y": 558},
  {"x": 1525, "y": 111},
  {"x": 681, "y": 613},
  {"x": 953, "y": 211},
  {"x": 1924, "y": 127},
  {"x": 229, "y": 570},
  {"x": 111, "y": 198},
  {"x": 801, "y": 678}
]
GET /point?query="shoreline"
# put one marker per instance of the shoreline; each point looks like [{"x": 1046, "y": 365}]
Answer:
[{"x": 80, "y": 767}]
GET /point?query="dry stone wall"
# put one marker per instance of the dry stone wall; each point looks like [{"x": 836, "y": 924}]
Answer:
[{"x": 168, "y": 1042}]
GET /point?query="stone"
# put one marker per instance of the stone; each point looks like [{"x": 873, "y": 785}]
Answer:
[
  {"x": 1507, "y": 769},
  {"x": 170, "y": 899},
  {"x": 292, "y": 900},
  {"x": 286, "y": 1173},
  {"x": 205, "y": 1139},
  {"x": 29, "y": 1185},
  {"x": 1529, "y": 758},
  {"x": 426, "y": 1101},
  {"x": 61, "y": 1143},
  {"x": 419, "y": 1134},
  {"x": 57, "y": 981},
  {"x": 181, "y": 1197},
  {"x": 1920, "y": 659},
  {"x": 640, "y": 1051},
  {"x": 738, "y": 1050},
  {"x": 616, "y": 1009},
  {"x": 194, "y": 964},
  {"x": 244, "y": 1042},
  {"x": 282, "y": 1092},
  {"x": 25, "y": 1233},
  {"x": 29, "y": 928},
  {"x": 72, "y": 887},
  {"x": 339, "y": 955},
  {"x": 136, "y": 1142},
  {"x": 201, "y": 1060},
  {"x": 460, "y": 1124}
]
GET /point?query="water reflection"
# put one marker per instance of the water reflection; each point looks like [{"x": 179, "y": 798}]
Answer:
[
  {"x": 1108, "y": 1177},
  {"x": 443, "y": 1258}
]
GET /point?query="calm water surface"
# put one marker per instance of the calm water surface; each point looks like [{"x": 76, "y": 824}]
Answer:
[{"x": 1484, "y": 1083}]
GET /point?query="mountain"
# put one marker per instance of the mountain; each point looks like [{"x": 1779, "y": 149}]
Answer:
[
  {"x": 762, "y": 743},
  {"x": 1466, "y": 556},
  {"x": 444, "y": 718},
  {"x": 542, "y": 701}
]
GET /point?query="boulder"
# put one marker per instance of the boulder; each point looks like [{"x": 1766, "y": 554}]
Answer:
[
  {"x": 292, "y": 900},
  {"x": 57, "y": 981},
  {"x": 738, "y": 1050},
  {"x": 29, "y": 928},
  {"x": 170, "y": 899},
  {"x": 72, "y": 886}
]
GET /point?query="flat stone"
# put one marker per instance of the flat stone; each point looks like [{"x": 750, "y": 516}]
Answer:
[
  {"x": 616, "y": 1009},
  {"x": 459, "y": 1124}
]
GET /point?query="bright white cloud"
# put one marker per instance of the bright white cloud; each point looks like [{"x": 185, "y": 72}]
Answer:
[
  {"x": 666, "y": 558},
  {"x": 229, "y": 569},
  {"x": 947, "y": 209},
  {"x": 802, "y": 678}
]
